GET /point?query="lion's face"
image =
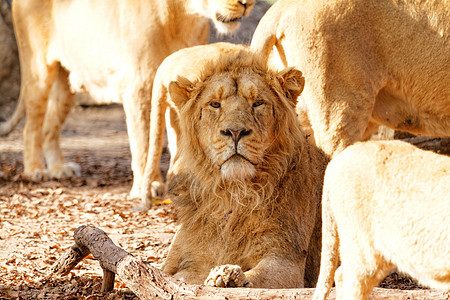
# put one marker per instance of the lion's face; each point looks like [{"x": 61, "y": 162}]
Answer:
[
  {"x": 237, "y": 124},
  {"x": 233, "y": 118},
  {"x": 227, "y": 14}
]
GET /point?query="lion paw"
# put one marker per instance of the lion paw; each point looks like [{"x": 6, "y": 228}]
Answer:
[
  {"x": 155, "y": 192},
  {"x": 227, "y": 276},
  {"x": 38, "y": 175},
  {"x": 158, "y": 189},
  {"x": 69, "y": 169}
]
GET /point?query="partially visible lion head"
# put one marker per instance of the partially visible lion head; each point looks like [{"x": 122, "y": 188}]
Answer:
[
  {"x": 226, "y": 14},
  {"x": 238, "y": 119}
]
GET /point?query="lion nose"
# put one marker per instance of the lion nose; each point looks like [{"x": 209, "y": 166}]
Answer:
[
  {"x": 235, "y": 134},
  {"x": 243, "y": 3}
]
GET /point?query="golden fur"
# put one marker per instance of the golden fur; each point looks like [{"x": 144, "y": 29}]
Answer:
[
  {"x": 248, "y": 189},
  {"x": 385, "y": 205},
  {"x": 366, "y": 63},
  {"x": 110, "y": 49},
  {"x": 177, "y": 64}
]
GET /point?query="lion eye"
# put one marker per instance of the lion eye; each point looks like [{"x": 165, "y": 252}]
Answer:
[
  {"x": 214, "y": 104},
  {"x": 258, "y": 103}
]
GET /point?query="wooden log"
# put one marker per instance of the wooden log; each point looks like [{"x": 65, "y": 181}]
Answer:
[{"x": 148, "y": 282}]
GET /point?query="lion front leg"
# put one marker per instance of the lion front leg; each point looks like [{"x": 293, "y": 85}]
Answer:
[
  {"x": 227, "y": 276},
  {"x": 137, "y": 112},
  {"x": 152, "y": 185}
]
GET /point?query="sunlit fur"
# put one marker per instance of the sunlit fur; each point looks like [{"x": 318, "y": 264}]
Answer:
[
  {"x": 392, "y": 70},
  {"x": 385, "y": 206},
  {"x": 265, "y": 219}
]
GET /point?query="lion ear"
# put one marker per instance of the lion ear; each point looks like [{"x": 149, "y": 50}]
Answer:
[
  {"x": 292, "y": 82},
  {"x": 180, "y": 91}
]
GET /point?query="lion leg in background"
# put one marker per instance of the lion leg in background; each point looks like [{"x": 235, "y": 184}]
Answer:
[
  {"x": 337, "y": 135},
  {"x": 37, "y": 76},
  {"x": 137, "y": 111},
  {"x": 329, "y": 258},
  {"x": 152, "y": 182},
  {"x": 344, "y": 111},
  {"x": 60, "y": 102},
  {"x": 371, "y": 129},
  {"x": 312, "y": 266},
  {"x": 36, "y": 97},
  {"x": 173, "y": 134},
  {"x": 355, "y": 267}
]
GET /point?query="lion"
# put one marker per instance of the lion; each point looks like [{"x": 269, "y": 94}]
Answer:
[
  {"x": 177, "y": 64},
  {"x": 248, "y": 188},
  {"x": 110, "y": 49},
  {"x": 393, "y": 214},
  {"x": 366, "y": 63}
]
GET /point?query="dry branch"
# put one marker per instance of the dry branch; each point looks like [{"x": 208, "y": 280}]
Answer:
[{"x": 148, "y": 282}]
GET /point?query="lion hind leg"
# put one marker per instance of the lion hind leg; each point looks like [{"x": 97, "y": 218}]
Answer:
[
  {"x": 362, "y": 266},
  {"x": 60, "y": 102},
  {"x": 35, "y": 94},
  {"x": 358, "y": 275},
  {"x": 335, "y": 129},
  {"x": 330, "y": 251}
]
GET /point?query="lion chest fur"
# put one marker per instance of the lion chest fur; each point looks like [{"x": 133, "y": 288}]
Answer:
[
  {"x": 249, "y": 186},
  {"x": 226, "y": 227}
]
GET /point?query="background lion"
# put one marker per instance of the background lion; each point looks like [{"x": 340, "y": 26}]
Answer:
[
  {"x": 383, "y": 209},
  {"x": 366, "y": 63},
  {"x": 109, "y": 48},
  {"x": 249, "y": 186}
]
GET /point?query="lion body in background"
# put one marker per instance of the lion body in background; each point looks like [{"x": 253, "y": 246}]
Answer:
[
  {"x": 248, "y": 189},
  {"x": 385, "y": 205},
  {"x": 366, "y": 63},
  {"x": 110, "y": 49}
]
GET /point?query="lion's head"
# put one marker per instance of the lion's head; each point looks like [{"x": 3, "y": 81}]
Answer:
[
  {"x": 226, "y": 14},
  {"x": 238, "y": 119}
]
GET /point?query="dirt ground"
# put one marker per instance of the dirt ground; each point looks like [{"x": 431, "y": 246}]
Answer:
[{"x": 37, "y": 220}]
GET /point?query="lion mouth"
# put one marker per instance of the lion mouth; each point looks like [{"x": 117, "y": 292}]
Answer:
[
  {"x": 238, "y": 156},
  {"x": 226, "y": 20}
]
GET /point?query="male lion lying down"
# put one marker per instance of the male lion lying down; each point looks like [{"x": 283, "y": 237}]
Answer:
[
  {"x": 110, "y": 49},
  {"x": 248, "y": 191},
  {"x": 366, "y": 63},
  {"x": 385, "y": 204}
]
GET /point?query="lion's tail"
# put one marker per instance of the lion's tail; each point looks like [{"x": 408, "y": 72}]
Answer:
[
  {"x": 330, "y": 251},
  {"x": 8, "y": 126},
  {"x": 265, "y": 36}
]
